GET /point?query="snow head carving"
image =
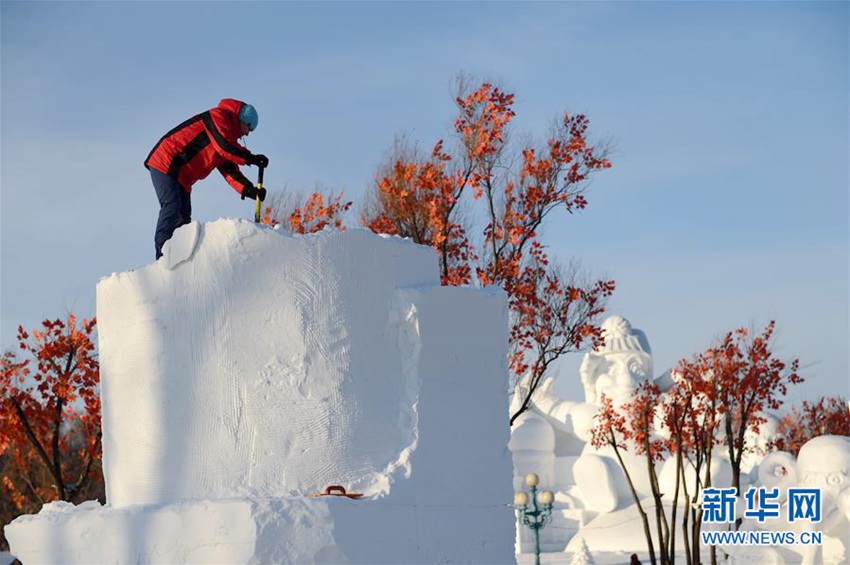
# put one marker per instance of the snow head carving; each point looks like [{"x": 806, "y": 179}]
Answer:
[
  {"x": 620, "y": 365},
  {"x": 824, "y": 463}
]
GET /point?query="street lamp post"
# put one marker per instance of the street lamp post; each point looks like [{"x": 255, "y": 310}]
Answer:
[{"x": 540, "y": 516}]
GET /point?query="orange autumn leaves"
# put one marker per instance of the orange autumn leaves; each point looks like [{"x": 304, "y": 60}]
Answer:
[
  {"x": 483, "y": 116},
  {"x": 829, "y": 415},
  {"x": 315, "y": 214},
  {"x": 50, "y": 414}
]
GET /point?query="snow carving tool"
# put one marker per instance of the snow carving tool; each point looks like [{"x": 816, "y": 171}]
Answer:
[
  {"x": 259, "y": 188},
  {"x": 336, "y": 490}
]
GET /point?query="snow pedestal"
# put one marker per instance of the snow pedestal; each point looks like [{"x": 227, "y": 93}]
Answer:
[{"x": 248, "y": 368}]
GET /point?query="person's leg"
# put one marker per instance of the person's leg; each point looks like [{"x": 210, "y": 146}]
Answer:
[
  {"x": 185, "y": 208},
  {"x": 171, "y": 201}
]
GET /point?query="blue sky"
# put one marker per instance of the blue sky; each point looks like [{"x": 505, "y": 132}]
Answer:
[{"x": 727, "y": 204}]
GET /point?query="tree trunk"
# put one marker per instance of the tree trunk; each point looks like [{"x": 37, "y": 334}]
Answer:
[{"x": 643, "y": 516}]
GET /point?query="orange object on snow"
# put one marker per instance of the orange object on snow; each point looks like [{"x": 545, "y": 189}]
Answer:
[{"x": 336, "y": 490}]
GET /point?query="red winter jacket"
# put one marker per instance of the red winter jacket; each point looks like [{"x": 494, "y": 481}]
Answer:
[{"x": 209, "y": 140}]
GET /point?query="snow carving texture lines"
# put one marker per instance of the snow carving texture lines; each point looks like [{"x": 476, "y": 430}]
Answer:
[{"x": 277, "y": 365}]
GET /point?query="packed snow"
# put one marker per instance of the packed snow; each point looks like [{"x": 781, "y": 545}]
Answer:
[{"x": 248, "y": 369}]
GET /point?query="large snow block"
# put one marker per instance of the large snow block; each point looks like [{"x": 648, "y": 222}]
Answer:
[
  {"x": 248, "y": 362},
  {"x": 248, "y": 368},
  {"x": 261, "y": 364}
]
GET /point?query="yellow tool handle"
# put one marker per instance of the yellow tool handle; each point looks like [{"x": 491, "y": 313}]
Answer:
[
  {"x": 259, "y": 188},
  {"x": 257, "y": 211}
]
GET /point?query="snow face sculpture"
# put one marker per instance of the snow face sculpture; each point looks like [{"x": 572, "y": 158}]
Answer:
[
  {"x": 616, "y": 369},
  {"x": 592, "y": 498},
  {"x": 619, "y": 366},
  {"x": 823, "y": 463}
]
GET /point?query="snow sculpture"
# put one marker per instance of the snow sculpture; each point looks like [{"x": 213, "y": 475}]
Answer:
[
  {"x": 616, "y": 369},
  {"x": 585, "y": 480},
  {"x": 619, "y": 366},
  {"x": 589, "y": 483},
  {"x": 721, "y": 476},
  {"x": 761, "y": 442},
  {"x": 533, "y": 447},
  {"x": 593, "y": 505},
  {"x": 248, "y": 368},
  {"x": 823, "y": 463}
]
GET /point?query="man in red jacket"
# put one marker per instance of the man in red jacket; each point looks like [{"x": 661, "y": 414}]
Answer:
[{"x": 189, "y": 152}]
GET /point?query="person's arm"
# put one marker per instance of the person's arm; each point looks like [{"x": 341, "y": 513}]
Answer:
[{"x": 236, "y": 179}]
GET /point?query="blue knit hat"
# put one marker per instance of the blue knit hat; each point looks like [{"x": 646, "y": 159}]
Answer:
[{"x": 248, "y": 116}]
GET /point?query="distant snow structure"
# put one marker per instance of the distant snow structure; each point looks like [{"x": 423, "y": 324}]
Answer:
[
  {"x": 553, "y": 440},
  {"x": 249, "y": 368},
  {"x": 594, "y": 506},
  {"x": 822, "y": 465}
]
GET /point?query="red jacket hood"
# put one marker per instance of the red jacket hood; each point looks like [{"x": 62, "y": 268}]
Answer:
[{"x": 231, "y": 105}]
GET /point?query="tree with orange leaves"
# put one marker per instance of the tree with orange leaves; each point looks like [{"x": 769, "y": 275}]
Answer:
[
  {"x": 692, "y": 415},
  {"x": 50, "y": 416},
  {"x": 420, "y": 197},
  {"x": 731, "y": 386},
  {"x": 830, "y": 415},
  {"x": 750, "y": 380},
  {"x": 717, "y": 401},
  {"x": 314, "y": 214},
  {"x": 630, "y": 427}
]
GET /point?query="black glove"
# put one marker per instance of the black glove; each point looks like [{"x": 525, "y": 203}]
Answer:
[
  {"x": 250, "y": 192},
  {"x": 258, "y": 160}
]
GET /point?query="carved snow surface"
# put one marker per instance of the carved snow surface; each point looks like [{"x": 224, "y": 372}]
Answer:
[
  {"x": 248, "y": 369},
  {"x": 243, "y": 366}
]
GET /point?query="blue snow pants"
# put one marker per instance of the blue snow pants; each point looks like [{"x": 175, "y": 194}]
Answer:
[{"x": 175, "y": 208}]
